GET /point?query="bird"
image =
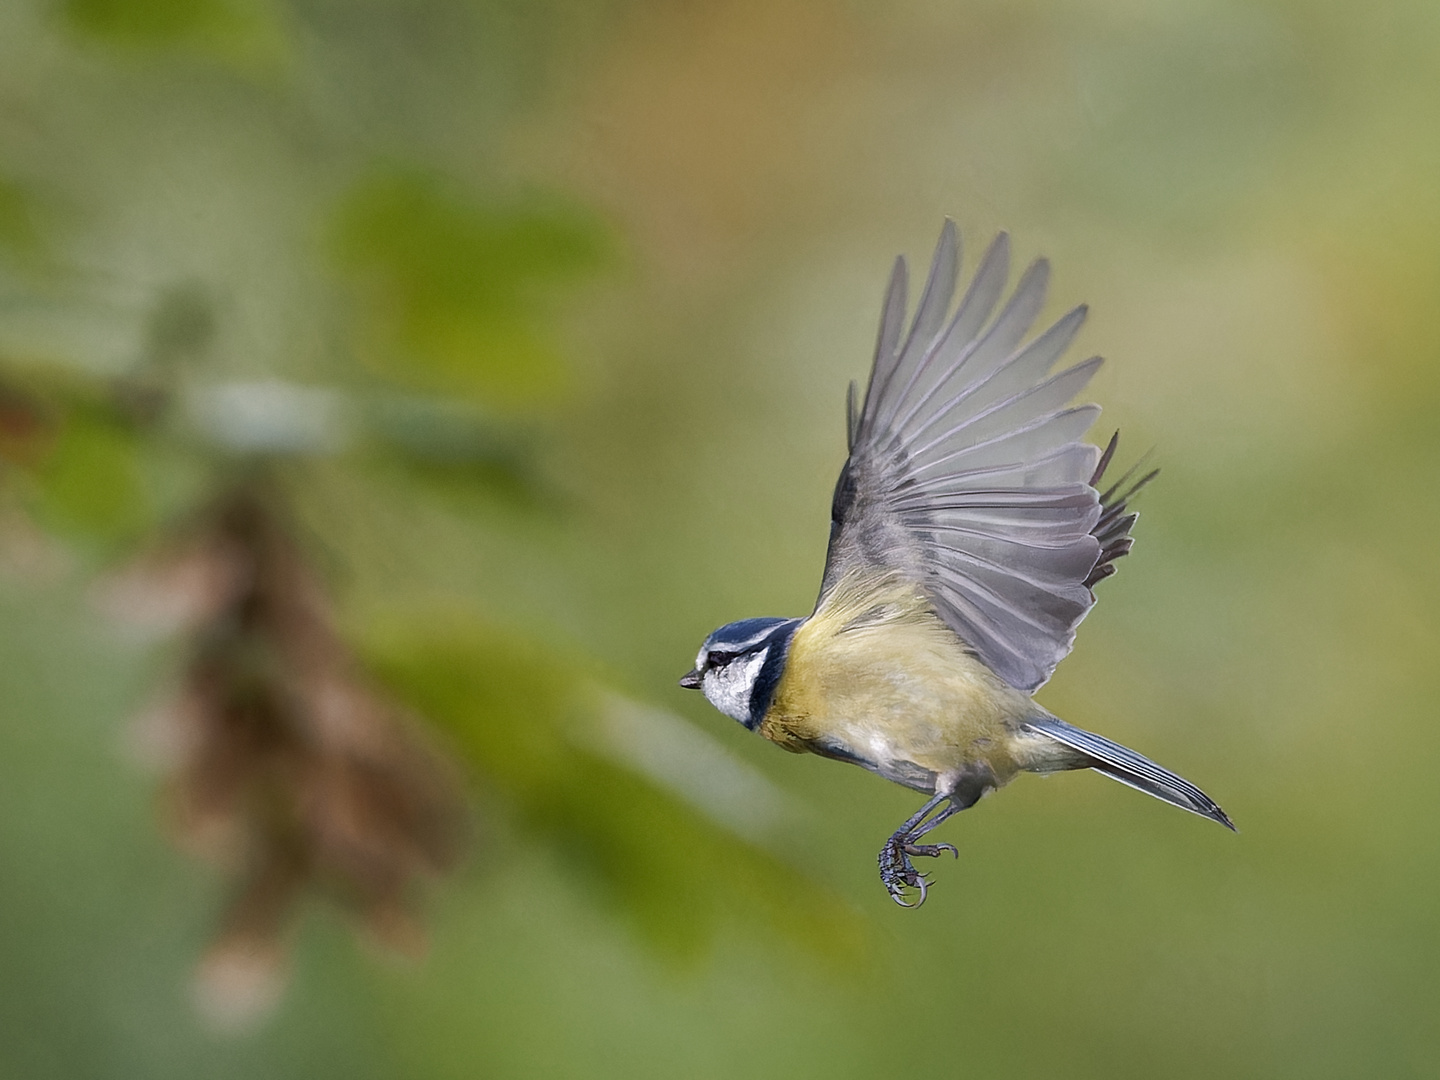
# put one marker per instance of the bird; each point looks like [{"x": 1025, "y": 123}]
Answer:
[{"x": 969, "y": 527}]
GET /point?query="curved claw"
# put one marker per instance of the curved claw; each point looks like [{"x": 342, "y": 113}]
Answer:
[
  {"x": 921, "y": 883},
  {"x": 897, "y": 873}
]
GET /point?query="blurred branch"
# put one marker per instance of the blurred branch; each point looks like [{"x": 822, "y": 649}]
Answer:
[{"x": 286, "y": 767}]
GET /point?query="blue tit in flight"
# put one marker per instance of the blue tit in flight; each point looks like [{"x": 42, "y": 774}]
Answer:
[{"x": 968, "y": 530}]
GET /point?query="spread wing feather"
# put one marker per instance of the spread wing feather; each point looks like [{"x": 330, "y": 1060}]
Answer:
[{"x": 966, "y": 472}]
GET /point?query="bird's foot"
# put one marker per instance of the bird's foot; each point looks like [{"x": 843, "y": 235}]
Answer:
[{"x": 897, "y": 872}]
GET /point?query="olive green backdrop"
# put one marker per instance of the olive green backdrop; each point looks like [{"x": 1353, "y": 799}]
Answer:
[{"x": 536, "y": 318}]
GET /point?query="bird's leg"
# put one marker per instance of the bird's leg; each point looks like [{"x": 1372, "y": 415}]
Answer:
[{"x": 897, "y": 872}]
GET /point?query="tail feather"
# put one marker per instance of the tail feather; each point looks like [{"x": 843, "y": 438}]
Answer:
[{"x": 1125, "y": 765}]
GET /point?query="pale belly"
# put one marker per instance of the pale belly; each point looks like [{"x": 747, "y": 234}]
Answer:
[{"x": 905, "y": 701}]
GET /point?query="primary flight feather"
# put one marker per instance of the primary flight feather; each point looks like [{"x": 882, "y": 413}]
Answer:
[{"x": 967, "y": 532}]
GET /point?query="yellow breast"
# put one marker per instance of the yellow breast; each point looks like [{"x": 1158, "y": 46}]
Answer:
[{"x": 876, "y": 676}]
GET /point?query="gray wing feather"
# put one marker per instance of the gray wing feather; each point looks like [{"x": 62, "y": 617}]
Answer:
[
  {"x": 966, "y": 472},
  {"x": 1015, "y": 448},
  {"x": 977, "y": 357},
  {"x": 892, "y": 319}
]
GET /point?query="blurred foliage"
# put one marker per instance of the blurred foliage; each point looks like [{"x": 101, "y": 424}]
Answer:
[
  {"x": 240, "y": 31},
  {"x": 537, "y": 320},
  {"x": 154, "y": 20},
  {"x": 19, "y": 233},
  {"x": 420, "y": 286},
  {"x": 524, "y": 718},
  {"x": 90, "y": 484},
  {"x": 452, "y": 292}
]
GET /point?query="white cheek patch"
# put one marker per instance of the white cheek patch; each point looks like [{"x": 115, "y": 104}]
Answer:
[{"x": 729, "y": 688}]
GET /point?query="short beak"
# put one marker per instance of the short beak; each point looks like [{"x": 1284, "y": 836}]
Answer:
[{"x": 691, "y": 680}]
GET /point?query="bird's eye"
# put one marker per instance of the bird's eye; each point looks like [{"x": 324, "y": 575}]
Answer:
[{"x": 718, "y": 659}]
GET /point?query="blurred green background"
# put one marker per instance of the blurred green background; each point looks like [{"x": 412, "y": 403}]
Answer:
[{"x": 530, "y": 324}]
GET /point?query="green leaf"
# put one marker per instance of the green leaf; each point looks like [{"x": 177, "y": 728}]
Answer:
[
  {"x": 519, "y": 715},
  {"x": 244, "y": 33},
  {"x": 456, "y": 293},
  {"x": 150, "y": 20},
  {"x": 19, "y": 231},
  {"x": 88, "y": 486}
]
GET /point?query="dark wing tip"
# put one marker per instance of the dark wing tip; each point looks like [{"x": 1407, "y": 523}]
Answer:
[
  {"x": 1105, "y": 460},
  {"x": 1112, "y": 528}
]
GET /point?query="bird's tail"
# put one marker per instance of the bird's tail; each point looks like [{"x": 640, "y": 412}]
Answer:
[{"x": 1123, "y": 764}]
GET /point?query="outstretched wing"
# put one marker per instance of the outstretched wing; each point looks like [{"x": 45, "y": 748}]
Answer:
[{"x": 966, "y": 471}]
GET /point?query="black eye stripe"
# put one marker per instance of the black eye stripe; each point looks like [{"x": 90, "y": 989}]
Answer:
[{"x": 719, "y": 659}]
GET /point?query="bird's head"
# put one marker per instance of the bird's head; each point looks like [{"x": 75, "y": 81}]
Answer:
[{"x": 740, "y": 665}]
